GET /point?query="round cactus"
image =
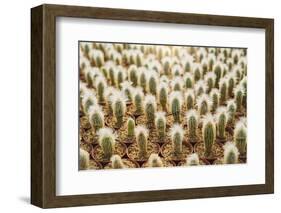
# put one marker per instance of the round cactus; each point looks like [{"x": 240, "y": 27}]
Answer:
[
  {"x": 192, "y": 124},
  {"x": 240, "y": 136},
  {"x": 223, "y": 90},
  {"x": 96, "y": 117},
  {"x": 154, "y": 161},
  {"x": 210, "y": 79},
  {"x": 163, "y": 95},
  {"x": 189, "y": 99},
  {"x": 221, "y": 120},
  {"x": 175, "y": 104},
  {"x": 116, "y": 162},
  {"x": 209, "y": 134},
  {"x": 188, "y": 80},
  {"x": 130, "y": 127},
  {"x": 150, "y": 108},
  {"x": 138, "y": 100},
  {"x": 192, "y": 160},
  {"x": 84, "y": 159},
  {"x": 231, "y": 153},
  {"x": 141, "y": 134},
  {"x": 160, "y": 124},
  {"x": 177, "y": 134},
  {"x": 152, "y": 82},
  {"x": 204, "y": 104},
  {"x": 107, "y": 142}
]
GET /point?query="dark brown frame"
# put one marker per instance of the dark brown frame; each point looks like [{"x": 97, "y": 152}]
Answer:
[{"x": 43, "y": 105}]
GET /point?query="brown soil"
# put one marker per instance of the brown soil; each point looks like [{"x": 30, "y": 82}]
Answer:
[
  {"x": 133, "y": 151},
  {"x": 94, "y": 165},
  {"x": 220, "y": 161},
  {"x": 217, "y": 151},
  {"x": 167, "y": 151},
  {"x": 85, "y": 146}
]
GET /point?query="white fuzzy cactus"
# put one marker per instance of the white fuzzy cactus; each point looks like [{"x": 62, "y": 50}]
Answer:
[
  {"x": 175, "y": 105},
  {"x": 200, "y": 87},
  {"x": 223, "y": 89},
  {"x": 215, "y": 96},
  {"x": 107, "y": 141},
  {"x": 152, "y": 82},
  {"x": 189, "y": 99},
  {"x": 192, "y": 160},
  {"x": 221, "y": 121},
  {"x": 230, "y": 154},
  {"x": 177, "y": 84},
  {"x": 188, "y": 80},
  {"x": 97, "y": 57},
  {"x": 119, "y": 107},
  {"x": 154, "y": 161},
  {"x": 167, "y": 64},
  {"x": 96, "y": 117},
  {"x": 197, "y": 71},
  {"x": 127, "y": 90},
  {"x": 163, "y": 95},
  {"x": 204, "y": 104},
  {"x": 177, "y": 134},
  {"x": 141, "y": 133},
  {"x": 138, "y": 100},
  {"x": 192, "y": 119},
  {"x": 150, "y": 108},
  {"x": 231, "y": 109},
  {"x": 177, "y": 70},
  {"x": 142, "y": 78},
  {"x": 160, "y": 124},
  {"x": 210, "y": 79},
  {"x": 187, "y": 63},
  {"x": 89, "y": 99},
  {"x": 116, "y": 162},
  {"x": 100, "y": 85},
  {"x": 238, "y": 96},
  {"x": 240, "y": 136},
  {"x": 84, "y": 159},
  {"x": 208, "y": 134}
]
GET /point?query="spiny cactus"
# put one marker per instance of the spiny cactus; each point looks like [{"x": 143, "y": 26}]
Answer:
[
  {"x": 152, "y": 82},
  {"x": 167, "y": 63},
  {"x": 100, "y": 87},
  {"x": 119, "y": 108},
  {"x": 223, "y": 88},
  {"x": 235, "y": 55},
  {"x": 97, "y": 57},
  {"x": 218, "y": 69},
  {"x": 231, "y": 81},
  {"x": 112, "y": 75},
  {"x": 214, "y": 94},
  {"x": 116, "y": 162},
  {"x": 231, "y": 109},
  {"x": 197, "y": 72},
  {"x": 209, "y": 134},
  {"x": 177, "y": 70},
  {"x": 189, "y": 98},
  {"x": 200, "y": 87},
  {"x": 150, "y": 108},
  {"x": 238, "y": 96},
  {"x": 89, "y": 99},
  {"x": 96, "y": 117},
  {"x": 139, "y": 58},
  {"x": 133, "y": 76},
  {"x": 192, "y": 160},
  {"x": 142, "y": 78},
  {"x": 187, "y": 64},
  {"x": 204, "y": 104},
  {"x": 205, "y": 66},
  {"x": 211, "y": 61},
  {"x": 177, "y": 84},
  {"x": 120, "y": 76},
  {"x": 107, "y": 142},
  {"x": 188, "y": 80},
  {"x": 131, "y": 127},
  {"x": 243, "y": 83},
  {"x": 192, "y": 124},
  {"x": 127, "y": 90},
  {"x": 160, "y": 124},
  {"x": 240, "y": 136},
  {"x": 177, "y": 134},
  {"x": 163, "y": 95},
  {"x": 175, "y": 104},
  {"x": 221, "y": 120},
  {"x": 138, "y": 100},
  {"x": 210, "y": 79},
  {"x": 154, "y": 161},
  {"x": 108, "y": 97},
  {"x": 230, "y": 154},
  {"x": 84, "y": 159},
  {"x": 141, "y": 133},
  {"x": 164, "y": 79}
]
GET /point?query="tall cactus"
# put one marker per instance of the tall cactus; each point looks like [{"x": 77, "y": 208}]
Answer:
[
  {"x": 177, "y": 134},
  {"x": 192, "y": 160},
  {"x": 200, "y": 87},
  {"x": 107, "y": 142},
  {"x": 197, "y": 72},
  {"x": 231, "y": 153},
  {"x": 142, "y": 78},
  {"x": 231, "y": 81},
  {"x": 231, "y": 109},
  {"x": 189, "y": 99},
  {"x": 177, "y": 84},
  {"x": 223, "y": 88},
  {"x": 96, "y": 117},
  {"x": 138, "y": 100},
  {"x": 167, "y": 63},
  {"x": 238, "y": 96},
  {"x": 163, "y": 95},
  {"x": 120, "y": 76},
  {"x": 204, "y": 104},
  {"x": 215, "y": 98},
  {"x": 88, "y": 100},
  {"x": 127, "y": 90},
  {"x": 141, "y": 133},
  {"x": 150, "y": 108},
  {"x": 243, "y": 83},
  {"x": 240, "y": 136},
  {"x": 116, "y": 162},
  {"x": 84, "y": 159},
  {"x": 187, "y": 64},
  {"x": 218, "y": 69},
  {"x": 152, "y": 82},
  {"x": 175, "y": 104},
  {"x": 209, "y": 134},
  {"x": 130, "y": 127},
  {"x": 100, "y": 87},
  {"x": 211, "y": 61},
  {"x": 133, "y": 76},
  {"x": 119, "y": 108},
  {"x": 177, "y": 70},
  {"x": 155, "y": 161},
  {"x": 192, "y": 124},
  {"x": 210, "y": 79},
  {"x": 188, "y": 80},
  {"x": 160, "y": 124},
  {"x": 221, "y": 120}
]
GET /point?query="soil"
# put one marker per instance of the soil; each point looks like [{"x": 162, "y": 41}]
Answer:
[
  {"x": 217, "y": 151},
  {"x": 133, "y": 151},
  {"x": 167, "y": 151},
  {"x": 94, "y": 165}
]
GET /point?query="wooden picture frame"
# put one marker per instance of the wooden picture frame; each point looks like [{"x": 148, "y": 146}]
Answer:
[{"x": 43, "y": 105}]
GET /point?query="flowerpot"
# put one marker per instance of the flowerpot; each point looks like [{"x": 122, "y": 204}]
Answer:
[{"x": 168, "y": 153}]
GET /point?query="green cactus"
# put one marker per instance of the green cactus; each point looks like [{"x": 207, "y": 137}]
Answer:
[
  {"x": 166, "y": 62},
  {"x": 210, "y": 78},
  {"x": 189, "y": 99},
  {"x": 211, "y": 61},
  {"x": 155, "y": 161},
  {"x": 231, "y": 109},
  {"x": 107, "y": 142},
  {"x": 133, "y": 77},
  {"x": 141, "y": 133},
  {"x": 100, "y": 86},
  {"x": 88, "y": 100},
  {"x": 244, "y": 85},
  {"x": 238, "y": 96},
  {"x": 177, "y": 138},
  {"x": 152, "y": 83},
  {"x": 204, "y": 104},
  {"x": 131, "y": 127},
  {"x": 215, "y": 98},
  {"x": 221, "y": 118},
  {"x": 175, "y": 105},
  {"x": 137, "y": 100},
  {"x": 84, "y": 159},
  {"x": 188, "y": 80},
  {"x": 223, "y": 90},
  {"x": 96, "y": 117},
  {"x": 119, "y": 109},
  {"x": 192, "y": 160},
  {"x": 150, "y": 108},
  {"x": 197, "y": 72},
  {"x": 163, "y": 95},
  {"x": 240, "y": 137},
  {"x": 209, "y": 134},
  {"x": 112, "y": 76},
  {"x": 160, "y": 123},
  {"x": 192, "y": 124},
  {"x": 231, "y": 153},
  {"x": 200, "y": 87},
  {"x": 116, "y": 162},
  {"x": 119, "y": 78},
  {"x": 231, "y": 83}
]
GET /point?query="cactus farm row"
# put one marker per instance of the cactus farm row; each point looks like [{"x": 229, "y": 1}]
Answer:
[{"x": 161, "y": 106}]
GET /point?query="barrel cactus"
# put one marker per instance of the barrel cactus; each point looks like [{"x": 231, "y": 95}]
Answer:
[
  {"x": 138, "y": 100},
  {"x": 163, "y": 95},
  {"x": 221, "y": 120},
  {"x": 240, "y": 136},
  {"x": 84, "y": 159},
  {"x": 150, "y": 108},
  {"x": 209, "y": 134},
  {"x": 130, "y": 127},
  {"x": 154, "y": 161},
  {"x": 230, "y": 154},
  {"x": 96, "y": 117},
  {"x": 189, "y": 99},
  {"x": 188, "y": 80},
  {"x": 107, "y": 142},
  {"x": 160, "y": 124},
  {"x": 192, "y": 120},
  {"x": 192, "y": 160},
  {"x": 175, "y": 104},
  {"x": 119, "y": 108},
  {"x": 177, "y": 134},
  {"x": 204, "y": 104},
  {"x": 116, "y": 162},
  {"x": 141, "y": 134}
]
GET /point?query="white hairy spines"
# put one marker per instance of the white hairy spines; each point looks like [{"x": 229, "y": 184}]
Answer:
[
  {"x": 231, "y": 153},
  {"x": 155, "y": 161},
  {"x": 192, "y": 160}
]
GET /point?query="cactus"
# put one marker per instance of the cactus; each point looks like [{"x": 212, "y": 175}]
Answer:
[
  {"x": 221, "y": 120},
  {"x": 152, "y": 82},
  {"x": 205, "y": 66},
  {"x": 204, "y": 104},
  {"x": 192, "y": 124},
  {"x": 97, "y": 57},
  {"x": 231, "y": 153},
  {"x": 167, "y": 63},
  {"x": 231, "y": 83},
  {"x": 130, "y": 127},
  {"x": 200, "y": 87},
  {"x": 84, "y": 159},
  {"x": 112, "y": 75},
  {"x": 127, "y": 90},
  {"x": 133, "y": 76},
  {"x": 107, "y": 142},
  {"x": 210, "y": 79},
  {"x": 187, "y": 64},
  {"x": 96, "y": 117},
  {"x": 164, "y": 79},
  {"x": 116, "y": 162},
  {"x": 142, "y": 78},
  {"x": 88, "y": 100},
  {"x": 154, "y": 161},
  {"x": 209, "y": 134},
  {"x": 240, "y": 136},
  {"x": 137, "y": 100},
  {"x": 218, "y": 69},
  {"x": 139, "y": 58},
  {"x": 238, "y": 96},
  {"x": 243, "y": 83},
  {"x": 120, "y": 76},
  {"x": 235, "y": 55},
  {"x": 100, "y": 87},
  {"x": 215, "y": 98},
  {"x": 119, "y": 108},
  {"x": 177, "y": 134},
  {"x": 163, "y": 95},
  {"x": 197, "y": 72},
  {"x": 189, "y": 99},
  {"x": 141, "y": 134},
  {"x": 211, "y": 61},
  {"x": 150, "y": 108},
  {"x": 192, "y": 160},
  {"x": 188, "y": 80},
  {"x": 160, "y": 124},
  {"x": 175, "y": 104},
  {"x": 177, "y": 70},
  {"x": 223, "y": 88},
  {"x": 231, "y": 109},
  {"x": 108, "y": 97},
  {"x": 177, "y": 84}
]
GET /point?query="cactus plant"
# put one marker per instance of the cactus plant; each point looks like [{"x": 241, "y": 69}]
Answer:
[
  {"x": 200, "y": 87},
  {"x": 152, "y": 82},
  {"x": 177, "y": 134},
  {"x": 130, "y": 127},
  {"x": 187, "y": 64},
  {"x": 221, "y": 120},
  {"x": 205, "y": 66},
  {"x": 214, "y": 94},
  {"x": 97, "y": 57},
  {"x": 133, "y": 76},
  {"x": 154, "y": 161},
  {"x": 240, "y": 136},
  {"x": 192, "y": 124},
  {"x": 107, "y": 142},
  {"x": 238, "y": 96},
  {"x": 188, "y": 80},
  {"x": 211, "y": 61},
  {"x": 230, "y": 154},
  {"x": 223, "y": 88},
  {"x": 96, "y": 117},
  {"x": 100, "y": 87},
  {"x": 177, "y": 84},
  {"x": 210, "y": 79},
  {"x": 150, "y": 108},
  {"x": 160, "y": 124},
  {"x": 197, "y": 71},
  {"x": 189, "y": 99},
  {"x": 204, "y": 104},
  {"x": 231, "y": 81},
  {"x": 127, "y": 90},
  {"x": 89, "y": 99},
  {"x": 119, "y": 108},
  {"x": 192, "y": 160},
  {"x": 163, "y": 95},
  {"x": 141, "y": 133},
  {"x": 177, "y": 70},
  {"x": 175, "y": 104},
  {"x": 120, "y": 76},
  {"x": 218, "y": 69},
  {"x": 142, "y": 78},
  {"x": 138, "y": 100},
  {"x": 84, "y": 159},
  {"x": 167, "y": 63},
  {"x": 231, "y": 109},
  {"x": 243, "y": 83},
  {"x": 116, "y": 162},
  {"x": 209, "y": 134}
]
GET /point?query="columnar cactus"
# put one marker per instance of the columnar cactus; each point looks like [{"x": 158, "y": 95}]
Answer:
[
  {"x": 133, "y": 76},
  {"x": 209, "y": 134},
  {"x": 150, "y": 108},
  {"x": 120, "y": 76},
  {"x": 167, "y": 63},
  {"x": 119, "y": 108},
  {"x": 155, "y": 161},
  {"x": 210, "y": 79},
  {"x": 238, "y": 96},
  {"x": 177, "y": 84},
  {"x": 188, "y": 80},
  {"x": 97, "y": 57},
  {"x": 231, "y": 81},
  {"x": 127, "y": 90},
  {"x": 231, "y": 153},
  {"x": 204, "y": 104},
  {"x": 235, "y": 55},
  {"x": 96, "y": 117},
  {"x": 100, "y": 87},
  {"x": 200, "y": 87},
  {"x": 163, "y": 95},
  {"x": 231, "y": 109},
  {"x": 177, "y": 134},
  {"x": 243, "y": 83},
  {"x": 223, "y": 88},
  {"x": 175, "y": 104},
  {"x": 139, "y": 58},
  {"x": 116, "y": 162},
  {"x": 215, "y": 98},
  {"x": 141, "y": 134},
  {"x": 211, "y": 61},
  {"x": 107, "y": 142},
  {"x": 84, "y": 159},
  {"x": 112, "y": 75},
  {"x": 189, "y": 99},
  {"x": 138, "y": 100},
  {"x": 160, "y": 124},
  {"x": 142, "y": 78},
  {"x": 152, "y": 82},
  {"x": 197, "y": 72},
  {"x": 192, "y": 124},
  {"x": 240, "y": 136},
  {"x": 89, "y": 99},
  {"x": 218, "y": 69},
  {"x": 221, "y": 120},
  {"x": 130, "y": 127},
  {"x": 187, "y": 64},
  {"x": 205, "y": 66},
  {"x": 192, "y": 160}
]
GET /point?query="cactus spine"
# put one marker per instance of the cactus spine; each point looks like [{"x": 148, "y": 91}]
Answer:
[
  {"x": 230, "y": 154},
  {"x": 119, "y": 108},
  {"x": 221, "y": 119},
  {"x": 223, "y": 90},
  {"x": 177, "y": 138},
  {"x": 160, "y": 123},
  {"x": 192, "y": 160},
  {"x": 188, "y": 80},
  {"x": 150, "y": 108},
  {"x": 189, "y": 99},
  {"x": 192, "y": 124},
  {"x": 141, "y": 133},
  {"x": 163, "y": 95},
  {"x": 240, "y": 136},
  {"x": 107, "y": 142},
  {"x": 96, "y": 117},
  {"x": 131, "y": 127},
  {"x": 209, "y": 134},
  {"x": 116, "y": 162},
  {"x": 137, "y": 100},
  {"x": 84, "y": 159},
  {"x": 155, "y": 161},
  {"x": 175, "y": 100}
]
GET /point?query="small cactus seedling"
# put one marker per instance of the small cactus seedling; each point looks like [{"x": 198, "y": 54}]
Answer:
[
  {"x": 238, "y": 96},
  {"x": 236, "y": 55},
  {"x": 209, "y": 134},
  {"x": 215, "y": 98},
  {"x": 231, "y": 81},
  {"x": 210, "y": 79},
  {"x": 100, "y": 87},
  {"x": 230, "y": 154},
  {"x": 223, "y": 88},
  {"x": 152, "y": 82},
  {"x": 167, "y": 63},
  {"x": 204, "y": 104},
  {"x": 107, "y": 142},
  {"x": 84, "y": 159},
  {"x": 188, "y": 80},
  {"x": 177, "y": 84},
  {"x": 192, "y": 160},
  {"x": 96, "y": 117},
  {"x": 141, "y": 134},
  {"x": 127, "y": 89},
  {"x": 164, "y": 79},
  {"x": 119, "y": 108},
  {"x": 116, "y": 162},
  {"x": 197, "y": 72},
  {"x": 205, "y": 66},
  {"x": 89, "y": 99},
  {"x": 108, "y": 97},
  {"x": 192, "y": 124},
  {"x": 240, "y": 136},
  {"x": 231, "y": 109},
  {"x": 177, "y": 134},
  {"x": 131, "y": 127},
  {"x": 175, "y": 104},
  {"x": 163, "y": 95},
  {"x": 139, "y": 58},
  {"x": 160, "y": 124},
  {"x": 177, "y": 70},
  {"x": 142, "y": 78},
  {"x": 154, "y": 161},
  {"x": 133, "y": 76},
  {"x": 221, "y": 120},
  {"x": 150, "y": 108},
  {"x": 138, "y": 100},
  {"x": 200, "y": 87}
]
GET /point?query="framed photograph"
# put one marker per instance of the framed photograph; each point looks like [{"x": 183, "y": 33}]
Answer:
[{"x": 137, "y": 106}]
